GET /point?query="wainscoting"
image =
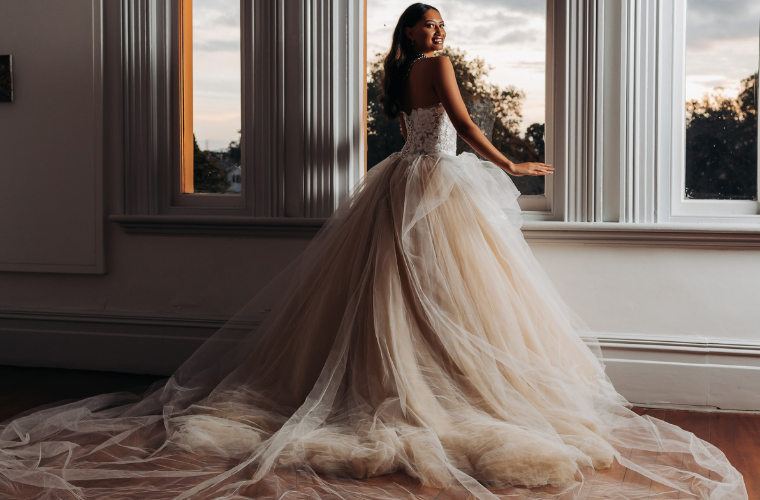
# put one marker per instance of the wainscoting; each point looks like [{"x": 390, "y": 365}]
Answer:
[{"x": 671, "y": 372}]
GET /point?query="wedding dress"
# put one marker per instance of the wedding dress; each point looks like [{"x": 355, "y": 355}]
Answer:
[{"x": 416, "y": 336}]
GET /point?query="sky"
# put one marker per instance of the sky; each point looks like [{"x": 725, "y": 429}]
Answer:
[
  {"x": 721, "y": 45},
  {"x": 721, "y": 49},
  {"x": 510, "y": 35},
  {"x": 216, "y": 72}
]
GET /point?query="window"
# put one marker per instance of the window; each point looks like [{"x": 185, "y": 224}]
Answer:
[
  {"x": 614, "y": 90},
  {"x": 498, "y": 50},
  {"x": 281, "y": 81},
  {"x": 717, "y": 174},
  {"x": 210, "y": 94}
]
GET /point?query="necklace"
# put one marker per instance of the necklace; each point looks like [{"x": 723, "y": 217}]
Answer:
[{"x": 416, "y": 58}]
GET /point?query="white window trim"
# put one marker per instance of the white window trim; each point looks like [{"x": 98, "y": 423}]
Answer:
[
  {"x": 178, "y": 202},
  {"x": 541, "y": 207},
  {"x": 302, "y": 94},
  {"x": 617, "y": 146},
  {"x": 681, "y": 209},
  {"x": 574, "y": 115}
]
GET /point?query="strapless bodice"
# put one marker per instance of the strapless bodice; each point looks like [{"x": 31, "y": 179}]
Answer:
[{"x": 429, "y": 131}]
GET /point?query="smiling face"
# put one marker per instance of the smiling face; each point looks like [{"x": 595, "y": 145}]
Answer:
[{"x": 428, "y": 34}]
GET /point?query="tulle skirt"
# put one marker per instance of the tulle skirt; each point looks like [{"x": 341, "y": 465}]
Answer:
[{"x": 417, "y": 339}]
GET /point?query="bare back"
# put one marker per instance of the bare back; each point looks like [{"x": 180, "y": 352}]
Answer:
[{"x": 419, "y": 91}]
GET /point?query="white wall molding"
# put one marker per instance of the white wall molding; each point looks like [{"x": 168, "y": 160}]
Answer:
[
  {"x": 682, "y": 345},
  {"x": 664, "y": 370},
  {"x": 612, "y": 233},
  {"x": 716, "y": 236},
  {"x": 684, "y": 370}
]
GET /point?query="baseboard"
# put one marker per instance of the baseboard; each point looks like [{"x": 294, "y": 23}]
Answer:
[
  {"x": 649, "y": 370},
  {"x": 684, "y": 371},
  {"x": 126, "y": 343}
]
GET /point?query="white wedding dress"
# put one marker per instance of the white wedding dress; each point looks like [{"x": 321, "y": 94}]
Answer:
[{"x": 416, "y": 336}]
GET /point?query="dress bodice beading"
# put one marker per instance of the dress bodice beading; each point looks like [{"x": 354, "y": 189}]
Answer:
[{"x": 429, "y": 131}]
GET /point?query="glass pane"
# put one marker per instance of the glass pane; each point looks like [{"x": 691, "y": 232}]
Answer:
[
  {"x": 721, "y": 108},
  {"x": 216, "y": 96},
  {"x": 498, "y": 49}
]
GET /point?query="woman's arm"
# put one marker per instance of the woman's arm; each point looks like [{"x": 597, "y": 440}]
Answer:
[
  {"x": 445, "y": 84},
  {"x": 402, "y": 121}
]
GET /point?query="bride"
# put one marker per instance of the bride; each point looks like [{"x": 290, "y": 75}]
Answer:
[{"x": 416, "y": 336}]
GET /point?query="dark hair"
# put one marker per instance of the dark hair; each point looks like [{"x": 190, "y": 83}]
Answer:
[{"x": 396, "y": 63}]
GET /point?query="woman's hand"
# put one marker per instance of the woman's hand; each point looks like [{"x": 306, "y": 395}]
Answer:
[
  {"x": 442, "y": 78},
  {"x": 528, "y": 168}
]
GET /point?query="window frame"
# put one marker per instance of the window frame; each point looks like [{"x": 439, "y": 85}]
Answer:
[
  {"x": 178, "y": 201},
  {"x": 300, "y": 136},
  {"x": 534, "y": 207},
  {"x": 541, "y": 207},
  {"x": 681, "y": 209},
  {"x": 609, "y": 126}
]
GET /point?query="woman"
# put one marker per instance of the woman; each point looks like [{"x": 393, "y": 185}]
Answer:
[{"x": 418, "y": 335}]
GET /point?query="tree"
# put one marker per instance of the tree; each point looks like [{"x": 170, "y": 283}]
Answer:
[
  {"x": 384, "y": 135},
  {"x": 535, "y": 134},
  {"x": 207, "y": 176},
  {"x": 721, "y": 145},
  {"x": 233, "y": 150}
]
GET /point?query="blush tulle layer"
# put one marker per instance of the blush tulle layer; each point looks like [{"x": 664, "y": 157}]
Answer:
[{"x": 416, "y": 341}]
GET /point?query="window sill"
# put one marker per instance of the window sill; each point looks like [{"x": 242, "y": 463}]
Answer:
[
  {"x": 591, "y": 233},
  {"x": 661, "y": 234},
  {"x": 211, "y": 225}
]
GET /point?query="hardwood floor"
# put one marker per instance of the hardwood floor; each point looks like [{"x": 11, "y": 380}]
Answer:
[
  {"x": 22, "y": 389},
  {"x": 736, "y": 434}
]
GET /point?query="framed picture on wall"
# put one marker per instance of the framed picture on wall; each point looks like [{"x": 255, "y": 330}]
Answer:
[{"x": 6, "y": 78}]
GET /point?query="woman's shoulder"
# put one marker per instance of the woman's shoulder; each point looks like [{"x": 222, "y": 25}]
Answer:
[
  {"x": 436, "y": 63},
  {"x": 440, "y": 59}
]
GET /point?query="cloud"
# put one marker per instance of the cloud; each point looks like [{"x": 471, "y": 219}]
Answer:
[
  {"x": 730, "y": 8},
  {"x": 520, "y": 36},
  {"x": 508, "y": 34},
  {"x": 216, "y": 25},
  {"x": 453, "y": 8},
  {"x": 535, "y": 66},
  {"x": 709, "y": 21},
  {"x": 721, "y": 44},
  {"x": 216, "y": 13},
  {"x": 496, "y": 26},
  {"x": 213, "y": 45}
]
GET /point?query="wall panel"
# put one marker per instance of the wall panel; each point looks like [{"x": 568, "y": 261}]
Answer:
[{"x": 51, "y": 195}]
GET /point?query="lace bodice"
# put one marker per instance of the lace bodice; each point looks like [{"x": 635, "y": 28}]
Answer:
[{"x": 429, "y": 131}]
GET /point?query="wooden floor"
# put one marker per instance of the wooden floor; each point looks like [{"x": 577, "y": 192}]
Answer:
[{"x": 21, "y": 389}]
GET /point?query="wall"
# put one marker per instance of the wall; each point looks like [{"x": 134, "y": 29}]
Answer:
[{"x": 678, "y": 326}]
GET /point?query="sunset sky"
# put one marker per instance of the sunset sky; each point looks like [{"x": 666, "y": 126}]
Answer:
[
  {"x": 216, "y": 72},
  {"x": 722, "y": 48},
  {"x": 510, "y": 35},
  {"x": 721, "y": 44}
]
